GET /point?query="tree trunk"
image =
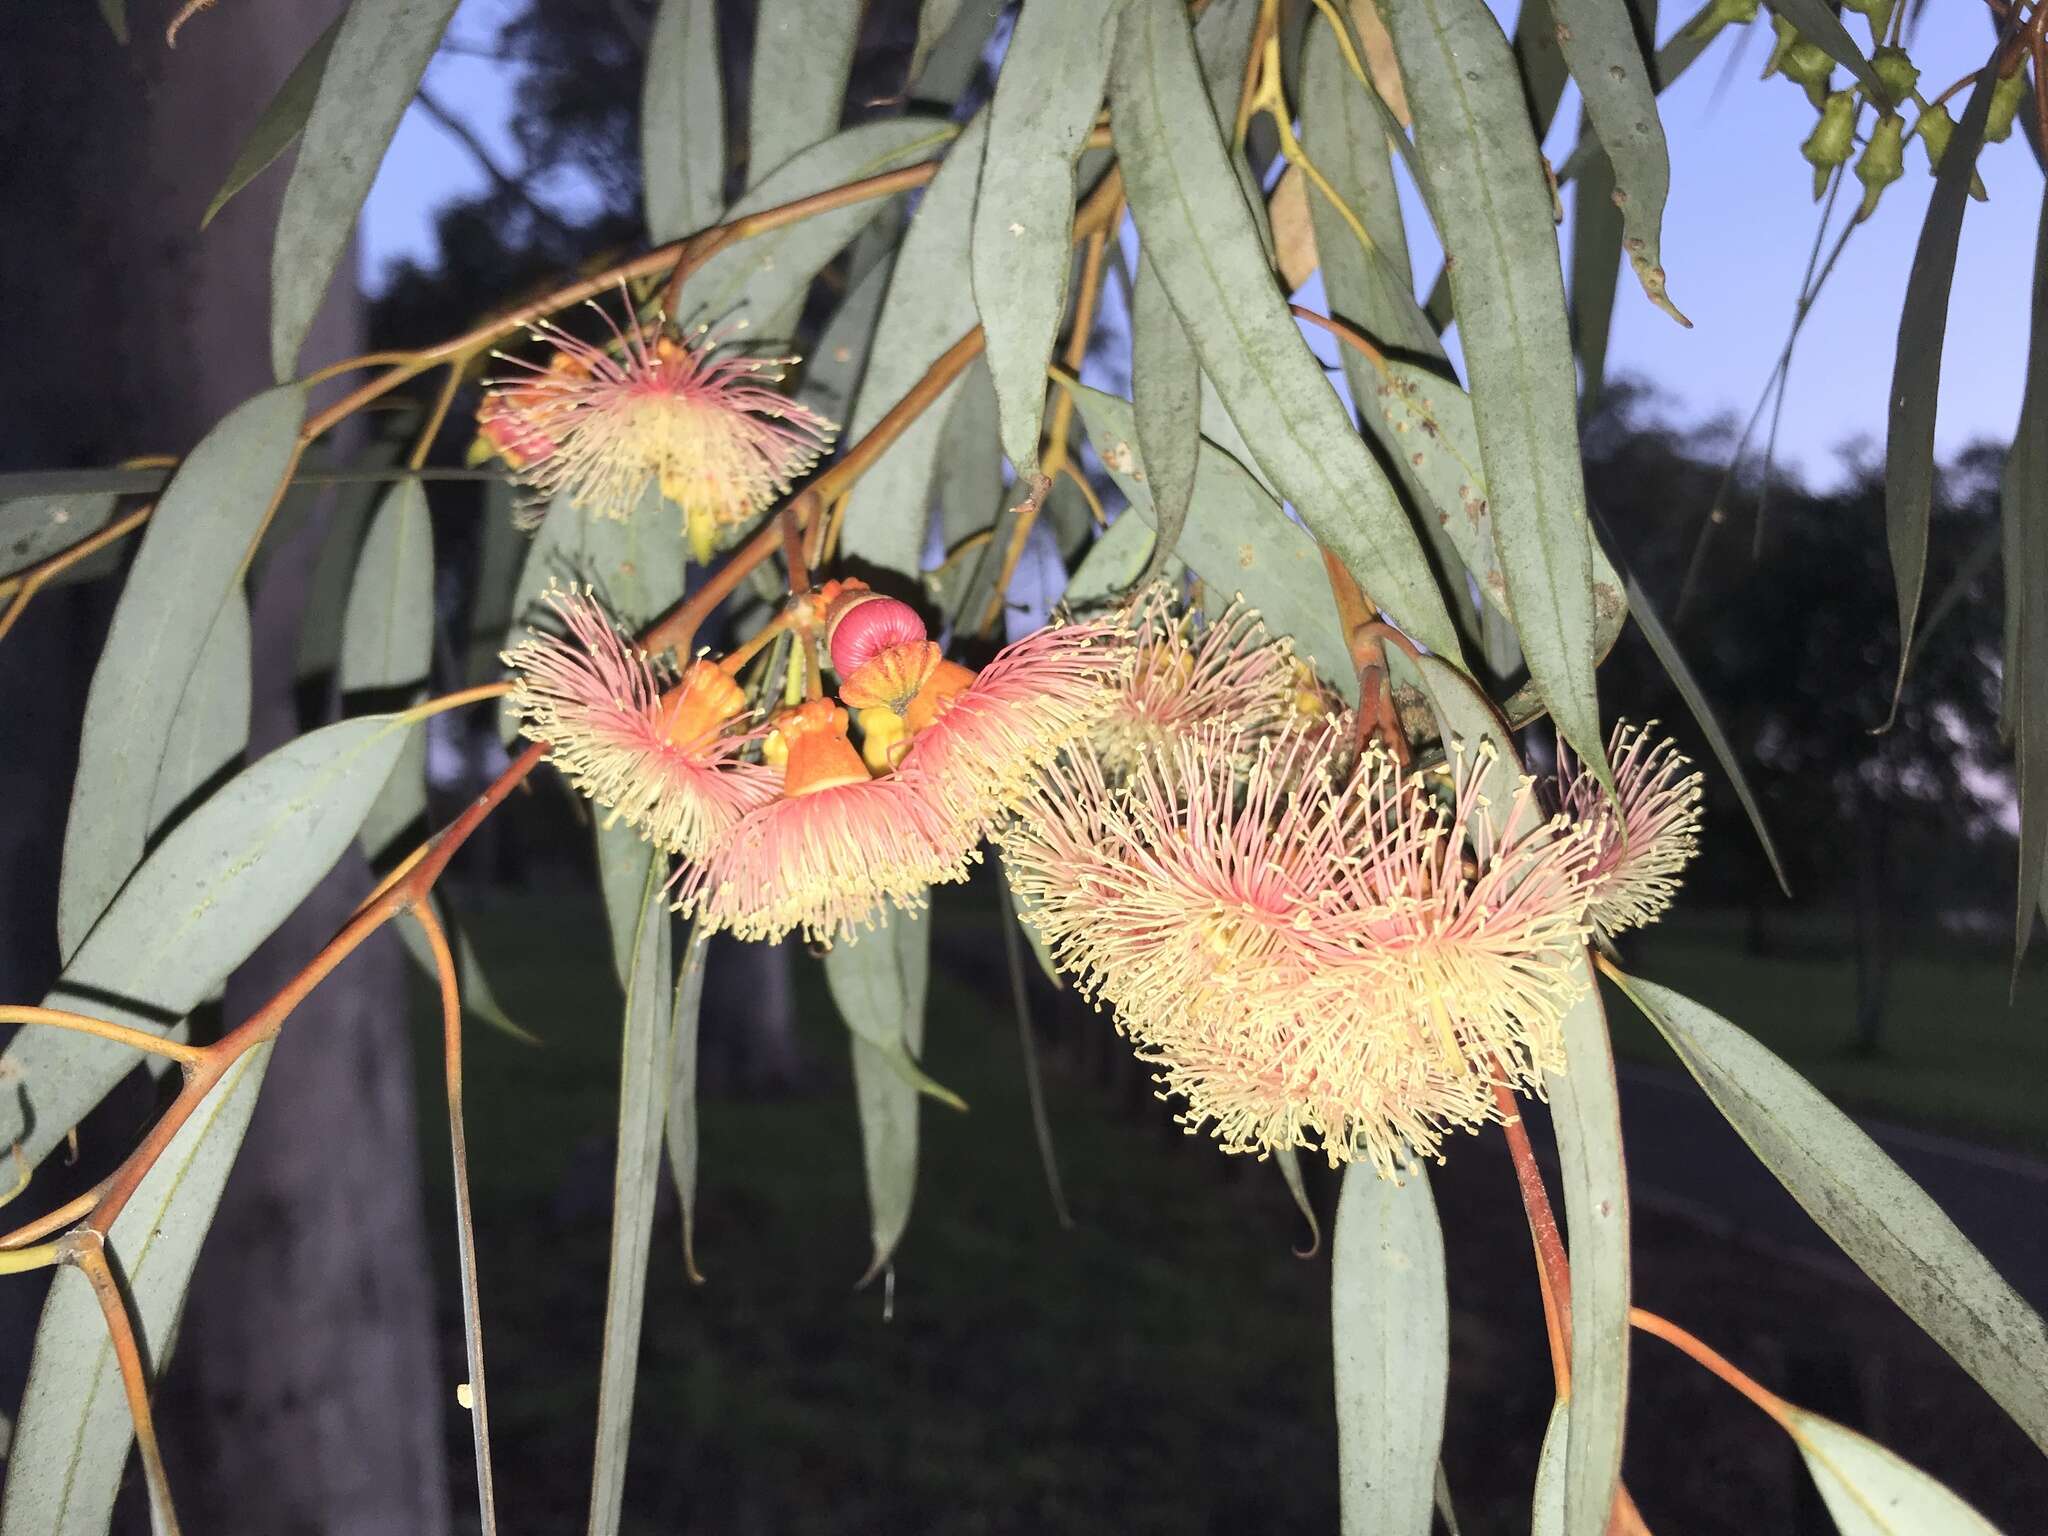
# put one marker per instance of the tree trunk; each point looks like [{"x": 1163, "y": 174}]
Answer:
[{"x": 304, "y": 1395}]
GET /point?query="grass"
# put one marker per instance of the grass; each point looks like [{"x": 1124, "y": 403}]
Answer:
[{"x": 1164, "y": 1367}]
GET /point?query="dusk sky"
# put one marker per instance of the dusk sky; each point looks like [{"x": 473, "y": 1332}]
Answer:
[{"x": 1736, "y": 235}]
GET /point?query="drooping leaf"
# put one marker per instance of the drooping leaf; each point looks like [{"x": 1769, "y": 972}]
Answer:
[
  {"x": 376, "y": 63},
  {"x": 1021, "y": 248},
  {"x": 951, "y": 37},
  {"x": 760, "y": 278},
  {"x": 334, "y": 566},
  {"x": 929, "y": 307},
  {"x": 1166, "y": 406},
  {"x": 878, "y": 984},
  {"x": 279, "y": 124},
  {"x": 681, "y": 1131},
  {"x": 802, "y": 53},
  {"x": 1114, "y": 562},
  {"x": 832, "y": 378},
  {"x": 1236, "y": 538},
  {"x": 1492, "y": 205},
  {"x": 33, "y": 528},
  {"x": 967, "y": 480},
  {"x": 217, "y": 885},
  {"x": 1368, "y": 283},
  {"x": 1199, "y": 235},
  {"x": 2023, "y": 515},
  {"x": 1864, "y": 1201},
  {"x": 72, "y": 1439},
  {"x": 1818, "y": 22},
  {"x": 1539, "y": 61},
  {"x": 1547, "y": 1511},
  {"x": 1916, "y": 372},
  {"x": 1027, "y": 1049},
  {"x": 211, "y": 727},
  {"x": 682, "y": 121},
  {"x": 387, "y": 629},
  {"x": 1585, "y": 1110},
  {"x": 1596, "y": 264},
  {"x": 1872, "y": 1492},
  {"x": 1605, "y": 55},
  {"x": 190, "y": 559},
  {"x": 1390, "y": 1325},
  {"x": 644, "y": 1078}
]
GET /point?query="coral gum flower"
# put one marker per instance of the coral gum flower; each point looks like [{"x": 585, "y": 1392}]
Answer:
[
  {"x": 984, "y": 742},
  {"x": 1188, "y": 670},
  {"x": 667, "y": 766},
  {"x": 1641, "y": 852},
  {"x": 684, "y": 414}
]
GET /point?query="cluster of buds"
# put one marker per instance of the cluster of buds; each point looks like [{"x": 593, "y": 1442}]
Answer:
[
  {"x": 783, "y": 824},
  {"x": 1314, "y": 946}
]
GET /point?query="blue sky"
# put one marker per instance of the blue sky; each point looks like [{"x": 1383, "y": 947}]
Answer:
[{"x": 1737, "y": 230}]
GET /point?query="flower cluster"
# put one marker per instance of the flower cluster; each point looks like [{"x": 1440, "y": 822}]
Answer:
[
  {"x": 685, "y": 413},
  {"x": 1318, "y": 948},
  {"x": 784, "y": 825}
]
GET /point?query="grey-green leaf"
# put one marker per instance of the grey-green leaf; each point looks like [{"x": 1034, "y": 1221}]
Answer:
[
  {"x": 387, "y": 629},
  {"x": 211, "y": 727},
  {"x": 1021, "y": 251},
  {"x": 190, "y": 560},
  {"x": 1203, "y": 243},
  {"x": 217, "y": 885},
  {"x": 832, "y": 377},
  {"x": 376, "y": 64},
  {"x": 1864, "y": 1201},
  {"x": 1596, "y": 264},
  {"x": 1166, "y": 407},
  {"x": 71, "y": 1441},
  {"x": 1547, "y": 1512},
  {"x": 33, "y": 528},
  {"x": 1236, "y": 538},
  {"x": 757, "y": 279},
  {"x": 1390, "y": 1327},
  {"x": 1115, "y": 562},
  {"x": 879, "y": 985},
  {"x": 930, "y": 306},
  {"x": 1490, "y": 199},
  {"x": 1872, "y": 1492},
  {"x": 681, "y": 1130},
  {"x": 1605, "y": 56},
  {"x": 644, "y": 1068},
  {"x": 279, "y": 124},
  {"x": 802, "y": 53},
  {"x": 682, "y": 120},
  {"x": 1819, "y": 22},
  {"x": 1585, "y": 1110},
  {"x": 1916, "y": 372},
  {"x": 2023, "y": 514}
]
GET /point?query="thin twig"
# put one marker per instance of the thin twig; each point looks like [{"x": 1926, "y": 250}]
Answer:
[
  {"x": 85, "y": 1250},
  {"x": 120, "y": 1034},
  {"x": 1034, "y": 1086}
]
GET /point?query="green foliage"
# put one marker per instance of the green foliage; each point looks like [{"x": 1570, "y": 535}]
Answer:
[
  {"x": 682, "y": 121},
  {"x": 1871, "y": 1492},
  {"x": 280, "y": 123}
]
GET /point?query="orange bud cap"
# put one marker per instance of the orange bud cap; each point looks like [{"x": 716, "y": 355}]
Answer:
[
  {"x": 695, "y": 709},
  {"x": 948, "y": 680},
  {"x": 820, "y": 755},
  {"x": 891, "y": 678}
]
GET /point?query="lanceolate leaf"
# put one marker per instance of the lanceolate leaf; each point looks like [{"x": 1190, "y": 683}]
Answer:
[
  {"x": 334, "y": 566},
  {"x": 211, "y": 727},
  {"x": 1547, "y": 1513},
  {"x": 1115, "y": 562},
  {"x": 1864, "y": 1201},
  {"x": 1596, "y": 263},
  {"x": 757, "y": 279},
  {"x": 802, "y": 52},
  {"x": 1916, "y": 374},
  {"x": 387, "y": 630},
  {"x": 33, "y": 528},
  {"x": 832, "y": 377},
  {"x": 190, "y": 560},
  {"x": 1390, "y": 1326},
  {"x": 1199, "y": 236},
  {"x": 279, "y": 124},
  {"x": 1605, "y": 55},
  {"x": 71, "y": 1441},
  {"x": 1871, "y": 1492},
  {"x": 1540, "y": 63},
  {"x": 1166, "y": 405},
  {"x": 1586, "y": 1112},
  {"x": 1488, "y": 194},
  {"x": 1236, "y": 538},
  {"x": 682, "y": 121},
  {"x": 879, "y": 986},
  {"x": 373, "y": 69},
  {"x": 682, "y": 1091},
  {"x": 2023, "y": 511},
  {"x": 644, "y": 1067},
  {"x": 1021, "y": 256},
  {"x": 207, "y": 895},
  {"x": 967, "y": 481},
  {"x": 930, "y": 306}
]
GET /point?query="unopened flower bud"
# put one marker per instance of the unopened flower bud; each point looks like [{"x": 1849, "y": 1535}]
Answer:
[
  {"x": 1896, "y": 72},
  {"x": 1883, "y": 161},
  {"x": 1719, "y": 15},
  {"x": 1786, "y": 36},
  {"x": 1878, "y": 12},
  {"x": 1934, "y": 129},
  {"x": 1808, "y": 64},
  {"x": 1833, "y": 138},
  {"x": 2005, "y": 105}
]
